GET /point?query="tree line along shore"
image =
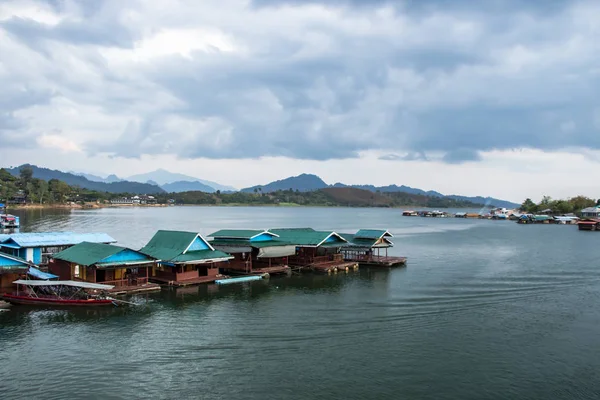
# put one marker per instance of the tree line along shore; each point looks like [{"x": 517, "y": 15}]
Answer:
[{"x": 29, "y": 192}]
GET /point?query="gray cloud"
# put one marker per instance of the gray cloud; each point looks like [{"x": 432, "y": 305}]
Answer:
[
  {"x": 460, "y": 156},
  {"x": 435, "y": 76},
  {"x": 412, "y": 156}
]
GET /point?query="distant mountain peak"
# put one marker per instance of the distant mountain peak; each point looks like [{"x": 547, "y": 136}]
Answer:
[
  {"x": 302, "y": 183},
  {"x": 163, "y": 177}
]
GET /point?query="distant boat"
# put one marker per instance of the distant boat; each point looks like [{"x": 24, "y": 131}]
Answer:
[
  {"x": 8, "y": 221},
  {"x": 59, "y": 293}
]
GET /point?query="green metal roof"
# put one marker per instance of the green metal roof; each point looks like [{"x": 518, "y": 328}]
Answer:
[
  {"x": 307, "y": 237},
  {"x": 239, "y": 233},
  {"x": 201, "y": 255},
  {"x": 171, "y": 246},
  {"x": 100, "y": 254},
  {"x": 87, "y": 253},
  {"x": 356, "y": 241},
  {"x": 166, "y": 245},
  {"x": 248, "y": 243},
  {"x": 372, "y": 233}
]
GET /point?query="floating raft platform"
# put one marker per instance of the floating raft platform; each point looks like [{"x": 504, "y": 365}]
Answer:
[
  {"x": 326, "y": 268},
  {"x": 380, "y": 261}
]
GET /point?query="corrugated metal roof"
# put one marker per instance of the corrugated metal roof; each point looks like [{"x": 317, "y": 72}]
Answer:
[
  {"x": 166, "y": 245},
  {"x": 306, "y": 236},
  {"x": 36, "y": 273},
  {"x": 372, "y": 233},
  {"x": 79, "y": 284},
  {"x": 248, "y": 243},
  {"x": 170, "y": 246},
  {"x": 239, "y": 233},
  {"x": 43, "y": 239},
  {"x": 87, "y": 253},
  {"x": 18, "y": 261},
  {"x": 358, "y": 242},
  {"x": 202, "y": 255}
]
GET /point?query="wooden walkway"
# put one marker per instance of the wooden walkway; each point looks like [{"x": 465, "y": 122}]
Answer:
[
  {"x": 188, "y": 282},
  {"x": 146, "y": 287}
]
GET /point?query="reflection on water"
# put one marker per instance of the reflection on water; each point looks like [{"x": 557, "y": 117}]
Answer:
[{"x": 485, "y": 309}]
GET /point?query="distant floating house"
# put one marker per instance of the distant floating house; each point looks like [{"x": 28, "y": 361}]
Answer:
[
  {"x": 39, "y": 247},
  {"x": 591, "y": 212},
  {"x": 254, "y": 251},
  {"x": 319, "y": 251},
  {"x": 370, "y": 247},
  {"x": 125, "y": 269},
  {"x": 183, "y": 258}
]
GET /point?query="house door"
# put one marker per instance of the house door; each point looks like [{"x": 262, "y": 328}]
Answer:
[{"x": 100, "y": 275}]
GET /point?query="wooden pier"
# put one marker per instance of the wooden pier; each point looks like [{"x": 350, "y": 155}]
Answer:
[{"x": 186, "y": 282}]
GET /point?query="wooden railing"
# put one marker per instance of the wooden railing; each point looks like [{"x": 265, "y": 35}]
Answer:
[{"x": 126, "y": 282}]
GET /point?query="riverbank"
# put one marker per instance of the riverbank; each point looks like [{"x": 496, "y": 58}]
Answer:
[
  {"x": 79, "y": 206},
  {"x": 91, "y": 206}
]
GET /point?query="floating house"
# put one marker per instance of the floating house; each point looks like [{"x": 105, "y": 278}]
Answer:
[
  {"x": 589, "y": 224},
  {"x": 319, "y": 251},
  {"x": 183, "y": 258},
  {"x": 566, "y": 220},
  {"x": 11, "y": 267},
  {"x": 591, "y": 212},
  {"x": 254, "y": 252},
  {"x": 39, "y": 247},
  {"x": 410, "y": 213},
  {"x": 125, "y": 269},
  {"x": 369, "y": 247}
]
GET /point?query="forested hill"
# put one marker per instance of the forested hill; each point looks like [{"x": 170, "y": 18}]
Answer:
[
  {"x": 329, "y": 197},
  {"x": 77, "y": 180}
]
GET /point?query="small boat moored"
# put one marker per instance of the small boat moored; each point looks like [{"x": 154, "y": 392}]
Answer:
[
  {"x": 8, "y": 221},
  {"x": 59, "y": 293}
]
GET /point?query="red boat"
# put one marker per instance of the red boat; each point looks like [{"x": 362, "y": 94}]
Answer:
[{"x": 60, "y": 293}]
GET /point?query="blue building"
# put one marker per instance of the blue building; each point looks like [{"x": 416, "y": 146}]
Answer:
[
  {"x": 37, "y": 248},
  {"x": 10, "y": 269}
]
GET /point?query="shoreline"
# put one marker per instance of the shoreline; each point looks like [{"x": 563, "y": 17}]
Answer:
[{"x": 96, "y": 206}]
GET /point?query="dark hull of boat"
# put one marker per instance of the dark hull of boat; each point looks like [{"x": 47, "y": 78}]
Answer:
[{"x": 33, "y": 301}]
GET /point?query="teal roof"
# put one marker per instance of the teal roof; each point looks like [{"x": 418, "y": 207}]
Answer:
[
  {"x": 248, "y": 243},
  {"x": 239, "y": 234},
  {"x": 201, "y": 255},
  {"x": 309, "y": 237},
  {"x": 173, "y": 246},
  {"x": 372, "y": 234},
  {"x": 88, "y": 254},
  {"x": 12, "y": 262},
  {"x": 355, "y": 241}
]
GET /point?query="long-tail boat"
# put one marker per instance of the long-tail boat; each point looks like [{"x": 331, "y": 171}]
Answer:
[{"x": 60, "y": 293}]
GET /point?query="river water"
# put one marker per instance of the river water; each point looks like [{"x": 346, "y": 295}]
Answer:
[{"x": 484, "y": 310}]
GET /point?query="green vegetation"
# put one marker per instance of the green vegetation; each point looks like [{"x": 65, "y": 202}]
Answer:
[
  {"x": 328, "y": 197},
  {"x": 572, "y": 205},
  {"x": 26, "y": 189}
]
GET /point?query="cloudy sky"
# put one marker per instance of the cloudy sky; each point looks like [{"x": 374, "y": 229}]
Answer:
[{"x": 500, "y": 100}]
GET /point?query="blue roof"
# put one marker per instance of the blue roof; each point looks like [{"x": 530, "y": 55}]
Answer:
[
  {"x": 36, "y": 273},
  {"x": 42, "y": 239}
]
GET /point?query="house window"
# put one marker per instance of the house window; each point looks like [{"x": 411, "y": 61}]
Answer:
[{"x": 76, "y": 271}]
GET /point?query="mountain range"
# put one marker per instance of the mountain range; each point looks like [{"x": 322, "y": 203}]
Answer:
[
  {"x": 81, "y": 181},
  {"x": 309, "y": 182},
  {"x": 161, "y": 181},
  {"x": 169, "y": 181}
]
